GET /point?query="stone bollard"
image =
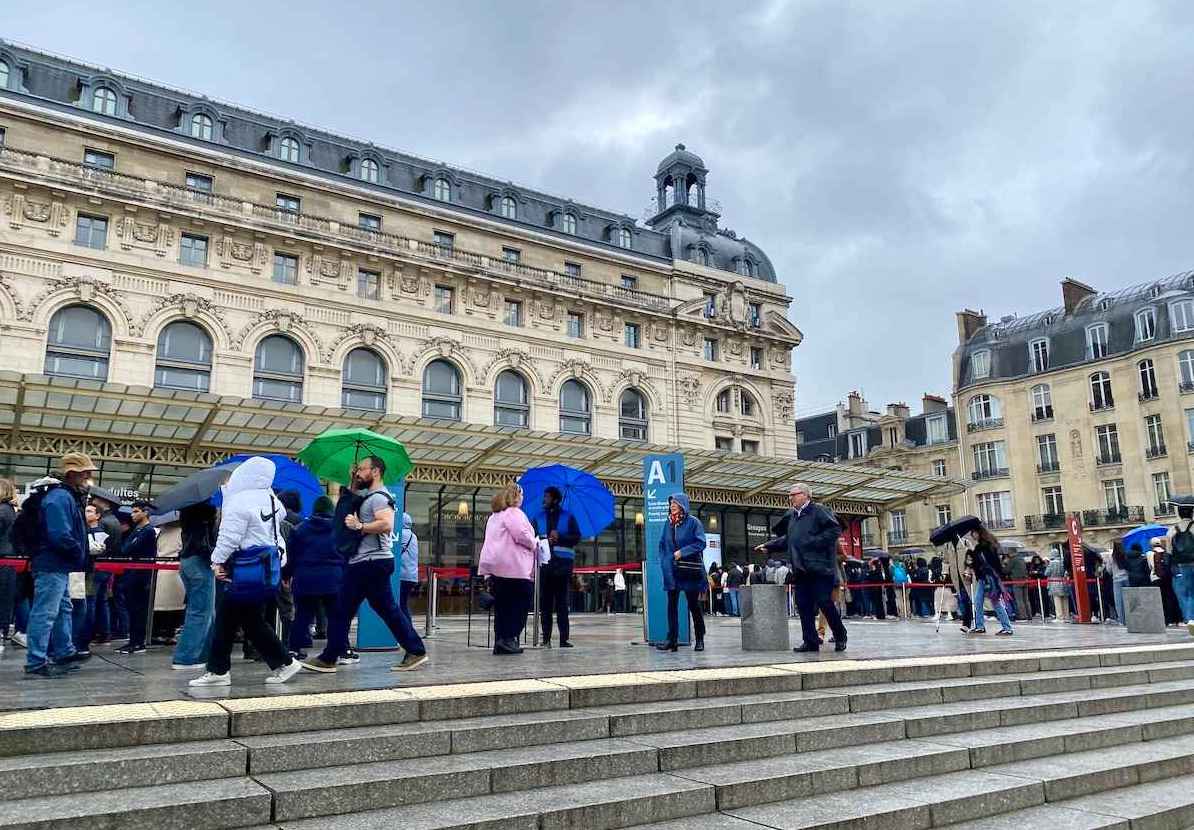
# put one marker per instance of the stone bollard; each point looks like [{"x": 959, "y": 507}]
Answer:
[
  {"x": 1144, "y": 611},
  {"x": 764, "y": 617}
]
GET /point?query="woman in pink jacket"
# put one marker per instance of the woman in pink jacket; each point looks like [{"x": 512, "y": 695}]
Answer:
[{"x": 508, "y": 558}]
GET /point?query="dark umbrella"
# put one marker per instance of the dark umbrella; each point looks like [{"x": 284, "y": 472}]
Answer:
[
  {"x": 951, "y": 532},
  {"x": 196, "y": 488},
  {"x": 97, "y": 492}
]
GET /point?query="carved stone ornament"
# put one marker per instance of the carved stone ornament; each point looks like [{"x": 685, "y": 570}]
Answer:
[
  {"x": 689, "y": 387},
  {"x": 53, "y": 215},
  {"x": 577, "y": 368},
  {"x": 631, "y": 378},
  {"x": 481, "y": 297},
  {"x": 783, "y": 406},
  {"x": 283, "y": 320},
  {"x": 133, "y": 234},
  {"x": 442, "y": 347},
  {"x": 368, "y": 334},
  {"x": 84, "y": 289},
  {"x": 189, "y": 304},
  {"x": 605, "y": 321},
  {"x": 37, "y": 211},
  {"x": 659, "y": 332},
  {"x": 689, "y": 337},
  {"x": 520, "y": 361},
  {"x": 545, "y": 309},
  {"x": 241, "y": 251},
  {"x": 236, "y": 254}
]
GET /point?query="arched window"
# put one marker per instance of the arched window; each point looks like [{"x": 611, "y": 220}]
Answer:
[
  {"x": 694, "y": 195},
  {"x": 201, "y": 126},
  {"x": 442, "y": 396},
  {"x": 569, "y": 224},
  {"x": 1042, "y": 402},
  {"x": 632, "y": 416},
  {"x": 184, "y": 358},
  {"x": 1100, "y": 391},
  {"x": 1185, "y": 367},
  {"x": 288, "y": 149},
  {"x": 3, "y": 75},
  {"x": 1146, "y": 323},
  {"x": 983, "y": 410},
  {"x": 103, "y": 100},
  {"x": 1148, "y": 379},
  {"x": 442, "y": 190},
  {"x": 369, "y": 170},
  {"x": 278, "y": 370},
  {"x": 575, "y": 409},
  {"x": 79, "y": 343},
  {"x": 724, "y": 401},
  {"x": 511, "y": 407},
  {"x": 701, "y": 256},
  {"x": 363, "y": 384},
  {"x": 508, "y": 207},
  {"x": 746, "y": 403},
  {"x": 623, "y": 237}
]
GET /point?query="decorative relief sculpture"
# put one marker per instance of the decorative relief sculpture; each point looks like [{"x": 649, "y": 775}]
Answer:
[{"x": 189, "y": 305}]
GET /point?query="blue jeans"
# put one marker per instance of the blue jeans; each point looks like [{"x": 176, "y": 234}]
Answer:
[
  {"x": 981, "y": 589},
  {"x": 1117, "y": 588},
  {"x": 49, "y": 634},
  {"x": 731, "y": 600},
  {"x": 370, "y": 581},
  {"x": 1183, "y": 586},
  {"x": 194, "y": 641}
]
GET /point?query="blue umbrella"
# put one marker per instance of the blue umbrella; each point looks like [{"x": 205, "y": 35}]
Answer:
[
  {"x": 1141, "y": 535},
  {"x": 585, "y": 497},
  {"x": 288, "y": 475}
]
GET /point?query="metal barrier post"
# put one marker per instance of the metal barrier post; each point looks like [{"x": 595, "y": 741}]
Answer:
[
  {"x": 905, "y": 611},
  {"x": 1040, "y": 595},
  {"x": 1099, "y": 590},
  {"x": 535, "y": 605},
  {"x": 153, "y": 591},
  {"x": 432, "y": 593}
]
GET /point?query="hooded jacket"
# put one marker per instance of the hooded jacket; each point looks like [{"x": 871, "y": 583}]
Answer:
[
  {"x": 62, "y": 547},
  {"x": 252, "y": 514},
  {"x": 810, "y": 540},
  {"x": 312, "y": 561},
  {"x": 408, "y": 550},
  {"x": 688, "y": 537}
]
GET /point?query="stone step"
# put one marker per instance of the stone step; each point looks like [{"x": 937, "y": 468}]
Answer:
[
  {"x": 29, "y": 776},
  {"x": 193, "y": 805},
  {"x": 597, "y": 805},
  {"x": 95, "y": 727},
  {"x": 335, "y": 790},
  {"x": 1164, "y": 805}
]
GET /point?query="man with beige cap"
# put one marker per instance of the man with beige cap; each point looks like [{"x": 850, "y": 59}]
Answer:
[{"x": 54, "y": 533}]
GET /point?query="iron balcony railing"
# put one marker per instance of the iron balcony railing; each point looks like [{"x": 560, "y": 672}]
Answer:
[
  {"x": 1108, "y": 516},
  {"x": 986, "y": 423},
  {"x": 1001, "y": 524},
  {"x": 994, "y": 472},
  {"x": 1048, "y": 467},
  {"x": 1148, "y": 395},
  {"x": 1045, "y": 521},
  {"x": 1039, "y": 415},
  {"x": 1164, "y": 510},
  {"x": 1186, "y": 386},
  {"x": 1156, "y": 452},
  {"x": 1101, "y": 406},
  {"x": 291, "y": 223},
  {"x": 1113, "y": 458}
]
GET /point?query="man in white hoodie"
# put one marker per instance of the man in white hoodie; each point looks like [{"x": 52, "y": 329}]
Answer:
[{"x": 250, "y": 521}]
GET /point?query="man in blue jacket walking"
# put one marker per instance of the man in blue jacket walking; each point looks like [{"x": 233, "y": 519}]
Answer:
[
  {"x": 60, "y": 548},
  {"x": 810, "y": 542}
]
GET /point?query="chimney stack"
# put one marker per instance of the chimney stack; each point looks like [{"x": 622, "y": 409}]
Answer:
[
  {"x": 933, "y": 403},
  {"x": 1074, "y": 292},
  {"x": 900, "y": 410},
  {"x": 969, "y": 322},
  {"x": 854, "y": 404}
]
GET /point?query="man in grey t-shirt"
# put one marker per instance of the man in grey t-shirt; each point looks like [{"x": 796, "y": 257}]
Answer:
[{"x": 368, "y": 574}]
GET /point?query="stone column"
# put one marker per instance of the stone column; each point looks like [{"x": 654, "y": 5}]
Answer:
[{"x": 764, "y": 617}]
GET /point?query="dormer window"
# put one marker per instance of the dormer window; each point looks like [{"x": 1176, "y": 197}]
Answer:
[
  {"x": 201, "y": 126},
  {"x": 1096, "y": 341},
  {"x": 569, "y": 224},
  {"x": 288, "y": 150},
  {"x": 622, "y": 237},
  {"x": 1038, "y": 355},
  {"x": 980, "y": 365},
  {"x": 508, "y": 208},
  {"x": 103, "y": 101},
  {"x": 700, "y": 256},
  {"x": 441, "y": 190},
  {"x": 3, "y": 75},
  {"x": 369, "y": 170},
  {"x": 1146, "y": 324}
]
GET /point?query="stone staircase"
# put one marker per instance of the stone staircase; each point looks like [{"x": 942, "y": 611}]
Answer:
[{"x": 1078, "y": 739}]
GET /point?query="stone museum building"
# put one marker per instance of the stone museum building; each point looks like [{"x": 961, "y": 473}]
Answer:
[
  {"x": 182, "y": 279},
  {"x": 1086, "y": 408}
]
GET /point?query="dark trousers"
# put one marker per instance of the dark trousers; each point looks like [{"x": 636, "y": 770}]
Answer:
[
  {"x": 305, "y": 609},
  {"x": 136, "y": 599},
  {"x": 8, "y": 598},
  {"x": 406, "y": 587},
  {"x": 120, "y": 609},
  {"x": 694, "y": 610},
  {"x": 813, "y": 593},
  {"x": 249, "y": 617},
  {"x": 369, "y": 581},
  {"x": 99, "y": 620},
  {"x": 555, "y": 583},
  {"x": 511, "y": 601}
]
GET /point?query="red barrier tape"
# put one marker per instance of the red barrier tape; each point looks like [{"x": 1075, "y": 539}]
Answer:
[{"x": 107, "y": 566}]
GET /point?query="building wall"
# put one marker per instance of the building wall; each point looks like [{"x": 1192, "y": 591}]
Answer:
[{"x": 137, "y": 282}]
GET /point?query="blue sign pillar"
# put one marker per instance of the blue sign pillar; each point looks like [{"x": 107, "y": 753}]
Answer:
[
  {"x": 663, "y": 476},
  {"x": 372, "y": 633}
]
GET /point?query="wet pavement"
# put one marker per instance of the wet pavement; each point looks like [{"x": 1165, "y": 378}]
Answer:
[{"x": 603, "y": 644}]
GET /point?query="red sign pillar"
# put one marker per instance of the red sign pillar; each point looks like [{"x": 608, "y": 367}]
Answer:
[{"x": 1078, "y": 564}]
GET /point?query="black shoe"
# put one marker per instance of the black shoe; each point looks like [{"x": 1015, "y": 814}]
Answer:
[
  {"x": 839, "y": 646},
  {"x": 299, "y": 655},
  {"x": 131, "y": 649},
  {"x": 547, "y": 642},
  {"x": 700, "y": 644},
  {"x": 506, "y": 647},
  {"x": 668, "y": 646},
  {"x": 77, "y": 657},
  {"x": 565, "y": 644},
  {"x": 806, "y": 648},
  {"x": 47, "y": 670}
]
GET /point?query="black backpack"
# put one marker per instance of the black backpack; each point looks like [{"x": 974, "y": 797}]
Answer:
[
  {"x": 1183, "y": 546},
  {"x": 26, "y": 529},
  {"x": 348, "y": 542}
]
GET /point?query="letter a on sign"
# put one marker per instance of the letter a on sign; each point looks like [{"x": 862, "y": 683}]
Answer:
[{"x": 655, "y": 474}]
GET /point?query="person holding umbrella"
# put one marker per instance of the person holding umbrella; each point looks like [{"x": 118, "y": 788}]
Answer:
[
  {"x": 559, "y": 527},
  {"x": 681, "y": 558}
]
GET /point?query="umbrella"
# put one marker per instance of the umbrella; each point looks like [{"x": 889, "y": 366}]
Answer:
[
  {"x": 333, "y": 453},
  {"x": 1141, "y": 535},
  {"x": 196, "y": 488},
  {"x": 1182, "y": 501},
  {"x": 951, "y": 532},
  {"x": 585, "y": 497},
  {"x": 288, "y": 475},
  {"x": 97, "y": 492}
]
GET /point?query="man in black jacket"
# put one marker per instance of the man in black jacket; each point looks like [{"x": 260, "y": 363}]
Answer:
[
  {"x": 140, "y": 544},
  {"x": 102, "y": 580},
  {"x": 555, "y": 578},
  {"x": 811, "y": 545}
]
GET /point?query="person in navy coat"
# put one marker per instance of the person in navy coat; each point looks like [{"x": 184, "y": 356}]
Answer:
[
  {"x": 681, "y": 558},
  {"x": 315, "y": 569}
]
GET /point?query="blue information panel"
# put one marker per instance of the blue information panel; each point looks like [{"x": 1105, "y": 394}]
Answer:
[
  {"x": 663, "y": 476},
  {"x": 372, "y": 633}
]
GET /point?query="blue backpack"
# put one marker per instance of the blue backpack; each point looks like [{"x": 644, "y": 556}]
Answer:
[
  {"x": 899, "y": 574},
  {"x": 256, "y": 571}
]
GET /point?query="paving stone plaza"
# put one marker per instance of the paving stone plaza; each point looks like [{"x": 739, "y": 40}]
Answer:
[{"x": 1062, "y": 726}]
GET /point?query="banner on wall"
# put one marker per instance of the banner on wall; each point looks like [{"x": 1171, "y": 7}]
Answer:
[
  {"x": 372, "y": 633},
  {"x": 663, "y": 477},
  {"x": 712, "y": 550}
]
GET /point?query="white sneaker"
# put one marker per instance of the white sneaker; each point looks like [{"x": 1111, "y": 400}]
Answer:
[
  {"x": 209, "y": 679},
  {"x": 187, "y": 666},
  {"x": 284, "y": 673},
  {"x": 19, "y": 638},
  {"x": 1189, "y": 627}
]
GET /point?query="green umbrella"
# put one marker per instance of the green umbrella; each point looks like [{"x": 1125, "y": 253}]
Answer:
[{"x": 333, "y": 453}]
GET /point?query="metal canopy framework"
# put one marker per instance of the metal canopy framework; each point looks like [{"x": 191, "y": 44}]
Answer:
[{"x": 48, "y": 416}]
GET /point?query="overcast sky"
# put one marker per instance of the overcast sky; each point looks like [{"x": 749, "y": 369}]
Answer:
[{"x": 897, "y": 160}]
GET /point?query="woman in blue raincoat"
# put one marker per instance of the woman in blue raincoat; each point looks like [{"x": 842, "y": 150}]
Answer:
[{"x": 681, "y": 558}]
